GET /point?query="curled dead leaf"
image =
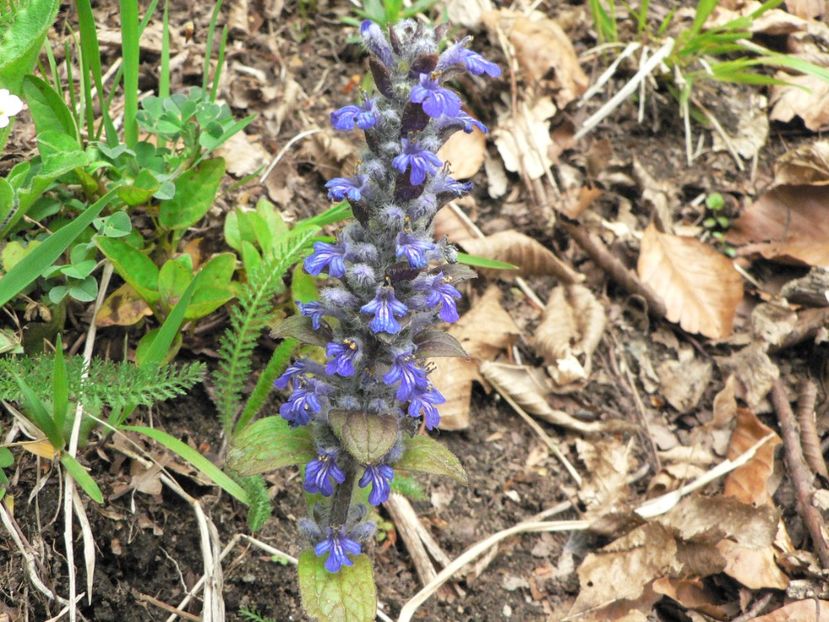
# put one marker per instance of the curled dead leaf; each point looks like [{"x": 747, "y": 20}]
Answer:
[
  {"x": 803, "y": 96},
  {"x": 788, "y": 223},
  {"x": 752, "y": 482},
  {"x": 531, "y": 257},
  {"x": 453, "y": 376},
  {"x": 806, "y": 165},
  {"x": 123, "y": 307},
  {"x": 609, "y": 464},
  {"x": 683, "y": 380},
  {"x": 570, "y": 331},
  {"x": 523, "y": 139},
  {"x": 464, "y": 153},
  {"x": 699, "y": 286},
  {"x": 810, "y": 610},
  {"x": 754, "y": 371}
]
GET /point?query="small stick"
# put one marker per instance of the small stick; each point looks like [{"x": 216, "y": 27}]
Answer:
[
  {"x": 470, "y": 554},
  {"x": 404, "y": 518},
  {"x": 801, "y": 478},
  {"x": 809, "y": 321},
  {"x": 162, "y": 605},
  {"x": 809, "y": 438},
  {"x": 284, "y": 150},
  {"x": 608, "y": 73},
  {"x": 610, "y": 264}
]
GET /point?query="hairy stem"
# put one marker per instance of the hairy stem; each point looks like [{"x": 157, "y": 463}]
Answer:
[{"x": 341, "y": 502}]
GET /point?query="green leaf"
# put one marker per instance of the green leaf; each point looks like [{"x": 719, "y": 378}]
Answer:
[
  {"x": 434, "y": 342},
  {"x": 133, "y": 266},
  {"x": 426, "y": 455},
  {"x": 49, "y": 111},
  {"x": 24, "y": 273},
  {"x": 278, "y": 363},
  {"x": 268, "y": 444},
  {"x": 60, "y": 386},
  {"x": 259, "y": 508},
  {"x": 82, "y": 477},
  {"x": 367, "y": 437},
  {"x": 36, "y": 412},
  {"x": 173, "y": 278},
  {"x": 303, "y": 285},
  {"x": 215, "y": 287},
  {"x": 195, "y": 192},
  {"x": 301, "y": 328},
  {"x": 483, "y": 262},
  {"x": 141, "y": 190},
  {"x": 194, "y": 458},
  {"x": 346, "y": 596},
  {"x": 22, "y": 33},
  {"x": 6, "y": 458}
]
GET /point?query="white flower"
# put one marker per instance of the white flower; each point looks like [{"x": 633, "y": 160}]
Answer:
[{"x": 10, "y": 105}]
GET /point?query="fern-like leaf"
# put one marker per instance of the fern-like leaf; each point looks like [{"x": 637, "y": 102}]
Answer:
[
  {"x": 247, "y": 319},
  {"x": 259, "y": 503}
]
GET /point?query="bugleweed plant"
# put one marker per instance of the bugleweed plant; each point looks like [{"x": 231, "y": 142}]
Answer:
[{"x": 353, "y": 421}]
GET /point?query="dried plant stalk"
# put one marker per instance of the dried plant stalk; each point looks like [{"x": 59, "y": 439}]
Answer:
[{"x": 809, "y": 439}]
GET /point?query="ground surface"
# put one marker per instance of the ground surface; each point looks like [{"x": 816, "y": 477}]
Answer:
[{"x": 291, "y": 65}]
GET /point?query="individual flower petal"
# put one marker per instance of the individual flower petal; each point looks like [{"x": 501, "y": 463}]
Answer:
[
  {"x": 338, "y": 546},
  {"x": 385, "y": 308},
  {"x": 297, "y": 367},
  {"x": 342, "y": 357},
  {"x": 422, "y": 162},
  {"x": 328, "y": 256},
  {"x": 10, "y": 105},
  {"x": 405, "y": 371},
  {"x": 444, "y": 184},
  {"x": 351, "y": 188},
  {"x": 435, "y": 100},
  {"x": 440, "y": 294},
  {"x": 322, "y": 472},
  {"x": 302, "y": 404},
  {"x": 379, "y": 476},
  {"x": 474, "y": 63},
  {"x": 415, "y": 249},
  {"x": 364, "y": 116},
  {"x": 424, "y": 403},
  {"x": 312, "y": 310}
]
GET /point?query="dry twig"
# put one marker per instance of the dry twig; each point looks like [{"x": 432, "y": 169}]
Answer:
[
  {"x": 801, "y": 478},
  {"x": 809, "y": 439}
]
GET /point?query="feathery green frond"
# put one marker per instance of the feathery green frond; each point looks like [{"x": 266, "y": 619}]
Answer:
[
  {"x": 259, "y": 503},
  {"x": 249, "y": 317}
]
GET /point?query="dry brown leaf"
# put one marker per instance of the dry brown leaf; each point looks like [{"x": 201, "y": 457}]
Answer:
[
  {"x": 771, "y": 323},
  {"x": 523, "y": 140},
  {"x": 754, "y": 568},
  {"x": 244, "y": 155},
  {"x": 683, "y": 380},
  {"x": 754, "y": 371},
  {"x": 807, "y": 165},
  {"x": 123, "y": 307},
  {"x": 527, "y": 386},
  {"x": 699, "y": 286},
  {"x": 799, "y": 611},
  {"x": 531, "y": 257},
  {"x": 570, "y": 331},
  {"x": 750, "y": 131},
  {"x": 694, "y": 594},
  {"x": 464, "y": 153},
  {"x": 787, "y": 223},
  {"x": 543, "y": 50},
  {"x": 803, "y": 96},
  {"x": 807, "y": 9},
  {"x": 751, "y": 483},
  {"x": 484, "y": 331},
  {"x": 725, "y": 404},
  {"x": 609, "y": 464},
  {"x": 448, "y": 224},
  {"x": 467, "y": 13}
]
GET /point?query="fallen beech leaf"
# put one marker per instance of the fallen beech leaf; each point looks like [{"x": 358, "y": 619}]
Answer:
[
  {"x": 725, "y": 404},
  {"x": 807, "y": 9},
  {"x": 754, "y": 372},
  {"x": 694, "y": 594},
  {"x": 464, "y": 153},
  {"x": 683, "y": 380},
  {"x": 609, "y": 464},
  {"x": 771, "y": 323},
  {"x": 447, "y": 223},
  {"x": 789, "y": 223},
  {"x": 807, "y": 164},
  {"x": 123, "y": 307},
  {"x": 570, "y": 331},
  {"x": 543, "y": 50},
  {"x": 244, "y": 155},
  {"x": 751, "y": 483},
  {"x": 483, "y": 332},
  {"x": 523, "y": 140},
  {"x": 531, "y": 257},
  {"x": 699, "y": 286},
  {"x": 810, "y": 610},
  {"x": 803, "y": 96},
  {"x": 753, "y": 567},
  {"x": 527, "y": 386}
]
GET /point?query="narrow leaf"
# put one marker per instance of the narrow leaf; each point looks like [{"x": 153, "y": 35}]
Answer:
[{"x": 82, "y": 477}]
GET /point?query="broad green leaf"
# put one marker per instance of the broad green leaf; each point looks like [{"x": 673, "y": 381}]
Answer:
[
  {"x": 35, "y": 410},
  {"x": 15, "y": 251},
  {"x": 426, "y": 455},
  {"x": 215, "y": 287},
  {"x": 6, "y": 198},
  {"x": 82, "y": 477},
  {"x": 251, "y": 258},
  {"x": 268, "y": 444},
  {"x": 483, "y": 262},
  {"x": 303, "y": 285},
  {"x": 367, "y": 437},
  {"x": 173, "y": 278},
  {"x": 24, "y": 273},
  {"x": 141, "y": 190},
  {"x": 49, "y": 111},
  {"x": 194, "y": 458},
  {"x": 195, "y": 192},
  {"x": 21, "y": 37},
  {"x": 346, "y": 596},
  {"x": 133, "y": 266},
  {"x": 6, "y": 458}
]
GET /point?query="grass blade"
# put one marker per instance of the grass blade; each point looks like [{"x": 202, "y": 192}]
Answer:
[
  {"x": 60, "y": 386},
  {"x": 82, "y": 477},
  {"x": 129, "y": 54}
]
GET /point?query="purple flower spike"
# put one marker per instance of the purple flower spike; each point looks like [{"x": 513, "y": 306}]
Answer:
[
  {"x": 351, "y": 188},
  {"x": 338, "y": 546},
  {"x": 436, "y": 100},
  {"x": 322, "y": 472},
  {"x": 342, "y": 356},
  {"x": 385, "y": 308},
  {"x": 443, "y": 184},
  {"x": 376, "y": 42},
  {"x": 297, "y": 367},
  {"x": 328, "y": 256},
  {"x": 474, "y": 63},
  {"x": 422, "y": 162},
  {"x": 301, "y": 406},
  {"x": 408, "y": 374},
  {"x": 365, "y": 116},
  {"x": 379, "y": 476},
  {"x": 425, "y": 403},
  {"x": 414, "y": 248},
  {"x": 312, "y": 310}
]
